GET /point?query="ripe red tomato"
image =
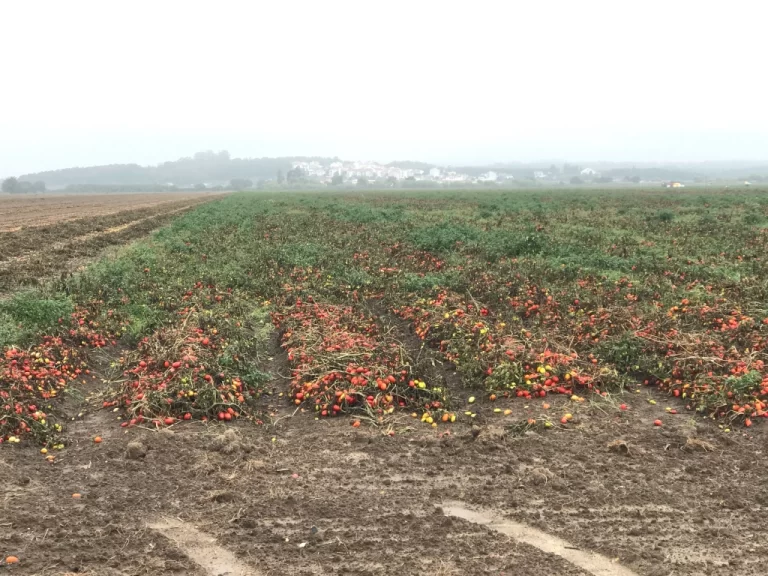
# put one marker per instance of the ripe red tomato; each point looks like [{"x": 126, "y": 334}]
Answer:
[{"x": 168, "y": 421}]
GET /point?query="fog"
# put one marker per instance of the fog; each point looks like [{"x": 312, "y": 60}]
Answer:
[{"x": 94, "y": 82}]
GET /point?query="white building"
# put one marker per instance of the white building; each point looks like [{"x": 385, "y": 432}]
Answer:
[
  {"x": 589, "y": 172},
  {"x": 490, "y": 176},
  {"x": 434, "y": 172}
]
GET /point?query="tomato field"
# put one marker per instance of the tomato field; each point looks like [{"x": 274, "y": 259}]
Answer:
[{"x": 535, "y": 345}]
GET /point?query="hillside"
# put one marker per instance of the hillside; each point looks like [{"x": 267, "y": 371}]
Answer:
[{"x": 203, "y": 167}]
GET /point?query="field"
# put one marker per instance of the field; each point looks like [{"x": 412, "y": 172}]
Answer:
[
  {"x": 376, "y": 383},
  {"x": 46, "y": 235}
]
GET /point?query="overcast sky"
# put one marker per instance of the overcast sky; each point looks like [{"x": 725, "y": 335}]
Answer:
[{"x": 96, "y": 82}]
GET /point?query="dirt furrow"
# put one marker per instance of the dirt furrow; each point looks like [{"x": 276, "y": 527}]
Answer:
[
  {"x": 70, "y": 256},
  {"x": 19, "y": 212},
  {"x": 30, "y": 240}
]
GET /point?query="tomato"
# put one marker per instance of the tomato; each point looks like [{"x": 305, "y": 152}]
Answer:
[
  {"x": 168, "y": 421},
  {"x": 657, "y": 422}
]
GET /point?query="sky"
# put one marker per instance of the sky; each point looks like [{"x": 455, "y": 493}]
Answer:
[{"x": 450, "y": 82}]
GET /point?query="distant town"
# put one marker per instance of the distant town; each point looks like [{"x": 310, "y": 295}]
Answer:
[
  {"x": 361, "y": 172},
  {"x": 355, "y": 172}
]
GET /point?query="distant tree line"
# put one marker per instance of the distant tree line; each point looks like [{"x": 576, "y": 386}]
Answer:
[
  {"x": 13, "y": 185},
  {"x": 240, "y": 183},
  {"x": 130, "y": 188},
  {"x": 202, "y": 167}
]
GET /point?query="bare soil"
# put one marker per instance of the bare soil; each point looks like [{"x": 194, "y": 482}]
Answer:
[
  {"x": 33, "y": 210},
  {"x": 37, "y": 246},
  {"x": 305, "y": 496}
]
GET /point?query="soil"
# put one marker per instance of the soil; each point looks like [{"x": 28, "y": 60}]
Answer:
[
  {"x": 40, "y": 251},
  {"x": 34, "y": 210},
  {"x": 304, "y": 496}
]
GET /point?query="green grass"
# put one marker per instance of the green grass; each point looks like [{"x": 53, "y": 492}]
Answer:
[{"x": 30, "y": 313}]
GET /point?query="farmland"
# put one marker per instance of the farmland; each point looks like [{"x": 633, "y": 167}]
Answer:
[
  {"x": 45, "y": 235},
  {"x": 324, "y": 382}
]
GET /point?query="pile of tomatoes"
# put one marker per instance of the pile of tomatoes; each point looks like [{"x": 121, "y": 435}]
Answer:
[
  {"x": 31, "y": 379},
  {"x": 342, "y": 362}
]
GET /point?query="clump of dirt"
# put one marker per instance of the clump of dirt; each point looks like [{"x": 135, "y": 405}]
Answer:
[
  {"x": 135, "y": 450},
  {"x": 228, "y": 443},
  {"x": 619, "y": 446},
  {"x": 693, "y": 444}
]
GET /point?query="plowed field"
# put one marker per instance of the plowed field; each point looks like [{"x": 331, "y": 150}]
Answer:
[
  {"x": 44, "y": 237},
  {"x": 23, "y": 211}
]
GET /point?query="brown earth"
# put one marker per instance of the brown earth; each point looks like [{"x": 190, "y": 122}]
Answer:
[
  {"x": 33, "y": 250},
  {"x": 22, "y": 211},
  {"x": 305, "y": 496}
]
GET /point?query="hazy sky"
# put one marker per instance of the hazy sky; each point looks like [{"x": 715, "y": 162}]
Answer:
[{"x": 96, "y": 82}]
